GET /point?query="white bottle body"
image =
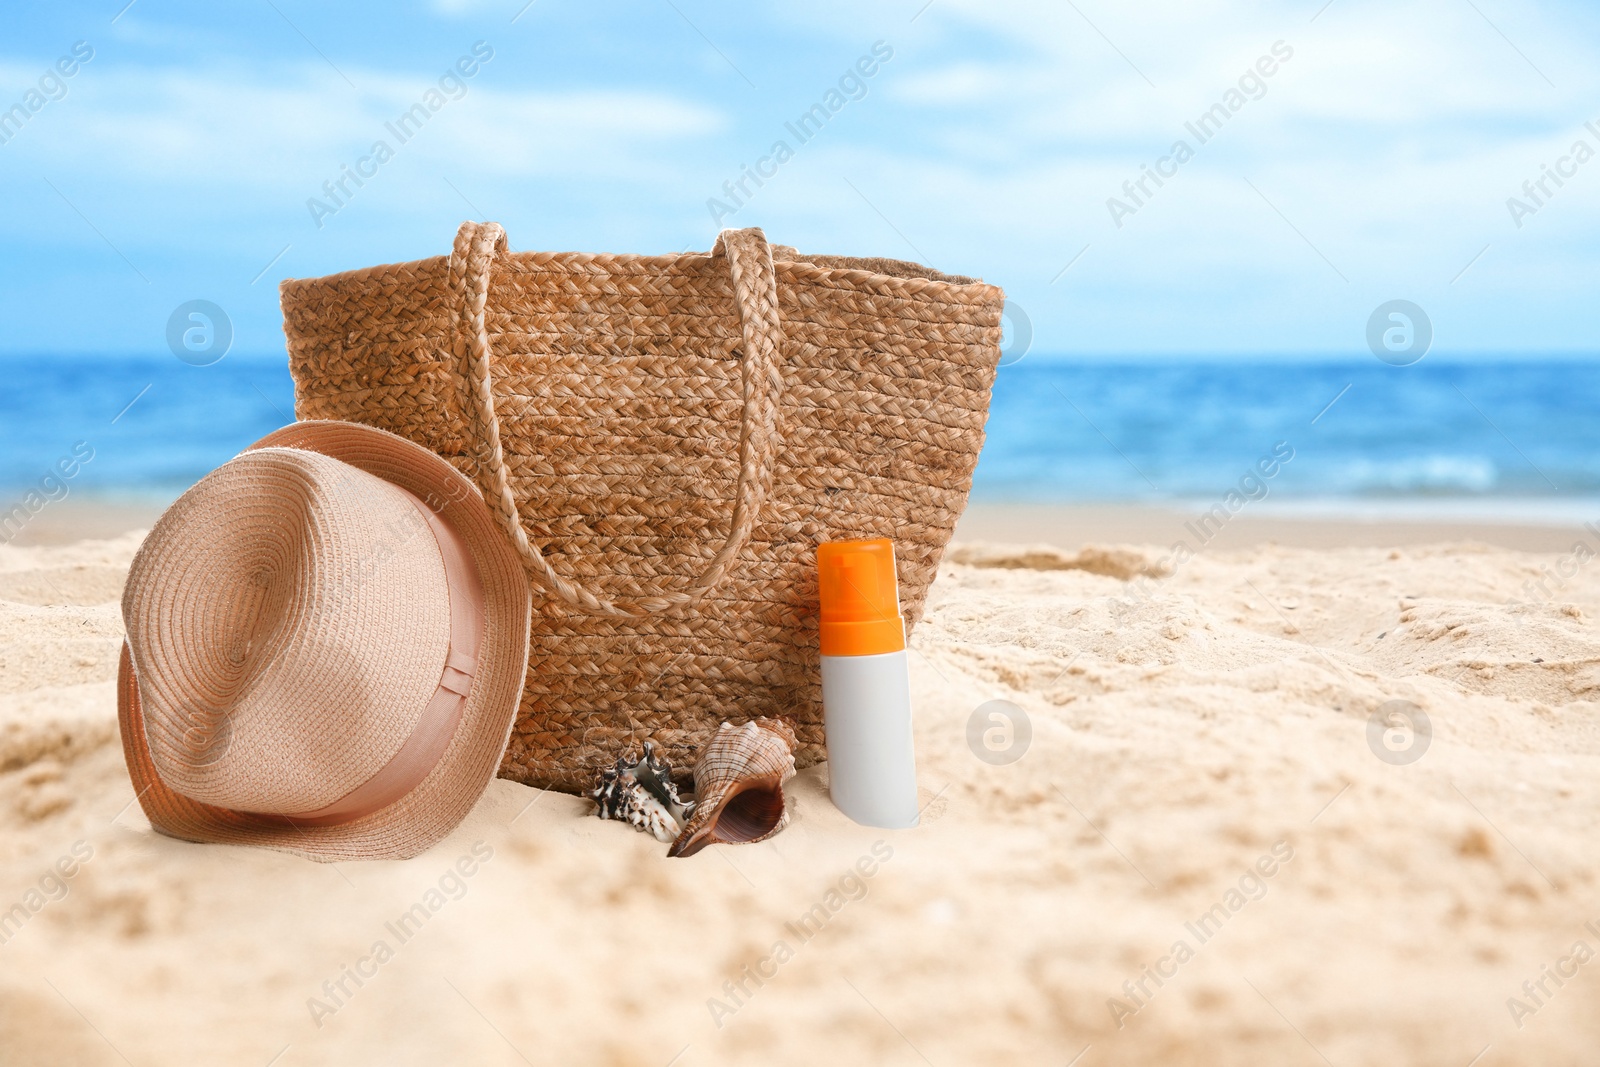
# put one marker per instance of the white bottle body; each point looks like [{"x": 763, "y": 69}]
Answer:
[{"x": 872, "y": 769}]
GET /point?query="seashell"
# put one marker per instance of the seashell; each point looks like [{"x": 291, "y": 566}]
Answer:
[
  {"x": 738, "y": 786},
  {"x": 642, "y": 794}
]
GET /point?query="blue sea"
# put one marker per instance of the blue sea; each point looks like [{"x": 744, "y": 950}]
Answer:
[{"x": 1493, "y": 438}]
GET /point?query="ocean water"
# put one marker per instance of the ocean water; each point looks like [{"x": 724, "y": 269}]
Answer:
[
  {"x": 1489, "y": 437},
  {"x": 1441, "y": 436},
  {"x": 154, "y": 424}
]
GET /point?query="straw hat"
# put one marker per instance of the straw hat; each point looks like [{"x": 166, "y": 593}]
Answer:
[{"x": 327, "y": 638}]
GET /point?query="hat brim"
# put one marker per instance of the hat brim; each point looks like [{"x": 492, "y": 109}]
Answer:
[{"x": 423, "y": 817}]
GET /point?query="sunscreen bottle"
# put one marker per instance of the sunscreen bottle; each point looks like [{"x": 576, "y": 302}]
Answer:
[{"x": 866, "y": 691}]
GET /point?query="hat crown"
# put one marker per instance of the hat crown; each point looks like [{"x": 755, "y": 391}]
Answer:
[{"x": 289, "y": 619}]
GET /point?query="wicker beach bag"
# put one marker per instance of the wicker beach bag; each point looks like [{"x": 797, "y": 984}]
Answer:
[{"x": 666, "y": 440}]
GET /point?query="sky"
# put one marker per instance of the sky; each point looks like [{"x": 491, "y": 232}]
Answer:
[{"x": 1357, "y": 152}]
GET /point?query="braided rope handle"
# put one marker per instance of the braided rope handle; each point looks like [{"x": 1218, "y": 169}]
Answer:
[{"x": 761, "y": 376}]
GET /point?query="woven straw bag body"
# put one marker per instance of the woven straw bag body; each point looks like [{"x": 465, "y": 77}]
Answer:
[{"x": 667, "y": 439}]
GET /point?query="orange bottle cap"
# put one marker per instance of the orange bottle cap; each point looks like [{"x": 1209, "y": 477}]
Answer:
[{"x": 860, "y": 598}]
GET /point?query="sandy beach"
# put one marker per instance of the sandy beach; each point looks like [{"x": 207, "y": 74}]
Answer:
[
  {"x": 1218, "y": 373},
  {"x": 1206, "y": 854}
]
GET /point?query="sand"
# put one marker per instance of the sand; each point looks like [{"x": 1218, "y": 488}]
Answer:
[
  {"x": 1075, "y": 524},
  {"x": 1199, "y": 797}
]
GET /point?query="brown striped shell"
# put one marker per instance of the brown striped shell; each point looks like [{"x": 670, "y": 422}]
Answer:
[{"x": 738, "y": 786}]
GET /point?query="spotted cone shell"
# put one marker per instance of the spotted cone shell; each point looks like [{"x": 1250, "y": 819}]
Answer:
[{"x": 738, "y": 786}]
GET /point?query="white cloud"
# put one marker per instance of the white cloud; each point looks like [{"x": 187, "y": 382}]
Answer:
[
  {"x": 196, "y": 129},
  {"x": 991, "y": 141},
  {"x": 1390, "y": 140}
]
